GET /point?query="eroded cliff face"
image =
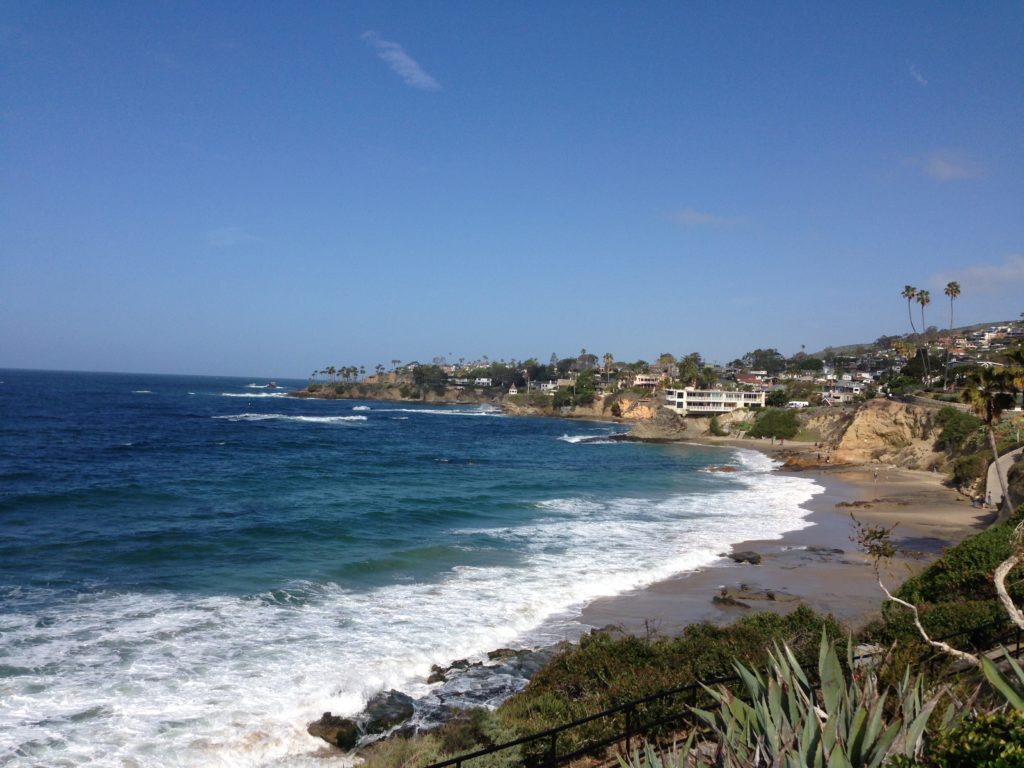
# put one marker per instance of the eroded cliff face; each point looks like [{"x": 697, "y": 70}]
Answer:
[{"x": 893, "y": 433}]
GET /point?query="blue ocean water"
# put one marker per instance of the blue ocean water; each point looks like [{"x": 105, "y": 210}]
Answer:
[{"x": 191, "y": 569}]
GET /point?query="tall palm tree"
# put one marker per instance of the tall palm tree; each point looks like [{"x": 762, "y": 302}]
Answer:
[
  {"x": 909, "y": 293},
  {"x": 608, "y": 359},
  {"x": 989, "y": 393},
  {"x": 924, "y": 298},
  {"x": 952, "y": 290}
]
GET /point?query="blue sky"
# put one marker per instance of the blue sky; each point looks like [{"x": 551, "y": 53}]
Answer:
[{"x": 269, "y": 188}]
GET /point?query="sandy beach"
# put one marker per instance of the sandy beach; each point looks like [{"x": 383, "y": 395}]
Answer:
[{"x": 819, "y": 565}]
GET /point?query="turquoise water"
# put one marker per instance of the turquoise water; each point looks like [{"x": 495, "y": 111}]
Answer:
[{"x": 193, "y": 568}]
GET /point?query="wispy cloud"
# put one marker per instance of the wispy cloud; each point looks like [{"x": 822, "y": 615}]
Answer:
[
  {"x": 401, "y": 63},
  {"x": 1007, "y": 277},
  {"x": 228, "y": 237},
  {"x": 916, "y": 75},
  {"x": 690, "y": 217},
  {"x": 948, "y": 166}
]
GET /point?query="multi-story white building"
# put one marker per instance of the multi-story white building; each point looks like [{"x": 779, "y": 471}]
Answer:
[{"x": 690, "y": 400}]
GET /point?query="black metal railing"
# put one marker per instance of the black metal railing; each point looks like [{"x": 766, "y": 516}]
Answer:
[{"x": 648, "y": 717}]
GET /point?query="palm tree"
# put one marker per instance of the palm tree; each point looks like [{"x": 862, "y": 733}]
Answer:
[
  {"x": 608, "y": 359},
  {"x": 952, "y": 290},
  {"x": 909, "y": 293},
  {"x": 989, "y": 393},
  {"x": 924, "y": 298}
]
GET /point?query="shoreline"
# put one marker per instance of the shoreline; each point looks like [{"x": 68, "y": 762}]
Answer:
[{"x": 817, "y": 565}]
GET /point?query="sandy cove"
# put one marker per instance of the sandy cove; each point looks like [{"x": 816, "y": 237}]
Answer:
[{"x": 819, "y": 565}]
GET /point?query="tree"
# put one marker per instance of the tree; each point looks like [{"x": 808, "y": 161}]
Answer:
[
  {"x": 586, "y": 387},
  {"x": 953, "y": 291},
  {"x": 689, "y": 368},
  {"x": 770, "y": 360},
  {"x": 924, "y": 299},
  {"x": 990, "y": 392},
  {"x": 909, "y": 293},
  {"x": 608, "y": 359}
]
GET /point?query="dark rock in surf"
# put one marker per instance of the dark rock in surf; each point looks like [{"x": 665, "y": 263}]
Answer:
[
  {"x": 342, "y": 732},
  {"x": 386, "y": 710},
  {"x": 746, "y": 556}
]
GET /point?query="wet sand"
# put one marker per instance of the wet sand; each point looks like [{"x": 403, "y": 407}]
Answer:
[{"x": 819, "y": 565}]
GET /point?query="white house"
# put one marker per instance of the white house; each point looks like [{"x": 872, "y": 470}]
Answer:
[{"x": 689, "y": 400}]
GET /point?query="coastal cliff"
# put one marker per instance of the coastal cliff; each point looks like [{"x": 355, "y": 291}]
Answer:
[{"x": 893, "y": 433}]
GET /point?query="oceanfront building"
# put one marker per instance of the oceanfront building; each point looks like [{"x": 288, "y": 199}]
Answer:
[{"x": 690, "y": 400}]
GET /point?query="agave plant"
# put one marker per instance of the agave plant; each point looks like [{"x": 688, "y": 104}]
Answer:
[
  {"x": 790, "y": 723},
  {"x": 1004, "y": 684}
]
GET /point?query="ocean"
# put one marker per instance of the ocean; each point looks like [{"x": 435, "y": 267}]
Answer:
[{"x": 193, "y": 568}]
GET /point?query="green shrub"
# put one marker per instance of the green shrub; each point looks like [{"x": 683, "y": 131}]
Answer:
[
  {"x": 957, "y": 428},
  {"x": 604, "y": 671},
  {"x": 994, "y": 740},
  {"x": 967, "y": 469},
  {"x": 716, "y": 428},
  {"x": 964, "y": 572},
  {"x": 467, "y": 731},
  {"x": 775, "y": 422}
]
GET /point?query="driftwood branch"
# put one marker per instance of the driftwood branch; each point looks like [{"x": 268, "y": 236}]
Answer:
[
  {"x": 944, "y": 647},
  {"x": 1003, "y": 570}
]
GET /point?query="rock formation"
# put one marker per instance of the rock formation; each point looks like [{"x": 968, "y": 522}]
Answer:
[{"x": 893, "y": 433}]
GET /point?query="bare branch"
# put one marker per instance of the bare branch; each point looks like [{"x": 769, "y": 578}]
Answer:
[{"x": 944, "y": 647}]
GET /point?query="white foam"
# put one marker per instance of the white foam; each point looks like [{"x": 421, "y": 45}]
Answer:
[
  {"x": 483, "y": 410},
  {"x": 360, "y": 407},
  {"x": 288, "y": 417},
  {"x": 588, "y": 439},
  {"x": 252, "y": 395},
  {"x": 142, "y": 392}
]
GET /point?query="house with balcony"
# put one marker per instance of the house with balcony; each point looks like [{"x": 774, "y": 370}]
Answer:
[{"x": 693, "y": 401}]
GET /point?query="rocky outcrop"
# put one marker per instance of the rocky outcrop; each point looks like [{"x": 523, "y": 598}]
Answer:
[
  {"x": 342, "y": 732},
  {"x": 890, "y": 432},
  {"x": 384, "y": 712},
  {"x": 395, "y": 393},
  {"x": 665, "y": 425},
  {"x": 746, "y": 556}
]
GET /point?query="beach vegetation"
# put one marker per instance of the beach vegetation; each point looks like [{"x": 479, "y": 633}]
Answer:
[
  {"x": 781, "y": 718},
  {"x": 958, "y": 427},
  {"x": 775, "y": 422},
  {"x": 965, "y": 589},
  {"x": 605, "y": 670},
  {"x": 715, "y": 427},
  {"x": 467, "y": 731}
]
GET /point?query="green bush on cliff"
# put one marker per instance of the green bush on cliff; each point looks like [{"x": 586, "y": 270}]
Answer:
[
  {"x": 964, "y": 572},
  {"x": 958, "y": 428},
  {"x": 776, "y": 422},
  {"x": 955, "y": 596}
]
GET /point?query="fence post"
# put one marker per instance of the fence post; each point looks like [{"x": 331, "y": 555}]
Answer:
[
  {"x": 629, "y": 731},
  {"x": 553, "y": 751}
]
